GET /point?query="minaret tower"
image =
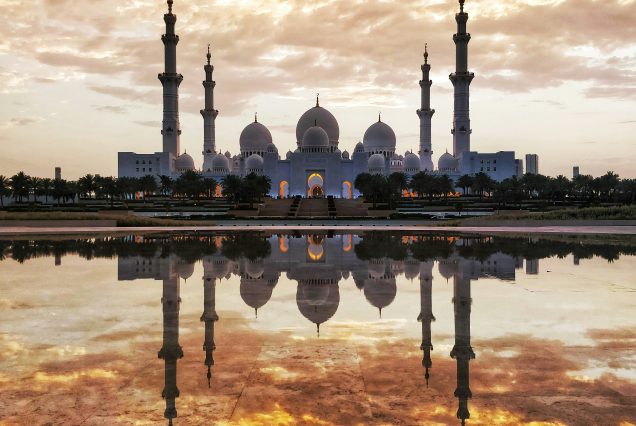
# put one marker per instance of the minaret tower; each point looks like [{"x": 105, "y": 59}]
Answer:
[
  {"x": 462, "y": 351},
  {"x": 209, "y": 116},
  {"x": 461, "y": 80},
  {"x": 171, "y": 81},
  {"x": 209, "y": 317},
  {"x": 171, "y": 350},
  {"x": 426, "y": 314},
  {"x": 426, "y": 114}
]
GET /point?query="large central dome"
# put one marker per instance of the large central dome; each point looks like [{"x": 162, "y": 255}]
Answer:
[{"x": 318, "y": 116}]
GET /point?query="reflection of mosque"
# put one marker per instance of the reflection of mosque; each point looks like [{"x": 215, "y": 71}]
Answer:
[{"x": 317, "y": 263}]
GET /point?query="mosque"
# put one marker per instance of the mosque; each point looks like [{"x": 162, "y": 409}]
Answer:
[{"x": 318, "y": 167}]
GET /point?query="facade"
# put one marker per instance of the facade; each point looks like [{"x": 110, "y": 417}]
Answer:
[{"x": 319, "y": 167}]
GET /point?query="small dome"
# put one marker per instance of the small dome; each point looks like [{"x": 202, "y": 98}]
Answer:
[
  {"x": 289, "y": 155},
  {"x": 315, "y": 137},
  {"x": 254, "y": 269},
  {"x": 411, "y": 162},
  {"x": 379, "y": 137},
  {"x": 359, "y": 147},
  {"x": 318, "y": 116},
  {"x": 272, "y": 148},
  {"x": 184, "y": 162},
  {"x": 345, "y": 155},
  {"x": 376, "y": 163},
  {"x": 183, "y": 269},
  {"x": 220, "y": 163},
  {"x": 255, "y": 137},
  {"x": 254, "y": 162},
  {"x": 446, "y": 162},
  {"x": 228, "y": 154}
]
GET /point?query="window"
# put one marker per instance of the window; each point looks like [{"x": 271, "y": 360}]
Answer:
[
  {"x": 482, "y": 161},
  {"x": 137, "y": 169},
  {"x": 150, "y": 169},
  {"x": 145, "y": 169},
  {"x": 137, "y": 162},
  {"x": 495, "y": 169},
  {"x": 482, "y": 169},
  {"x": 150, "y": 162},
  {"x": 495, "y": 161},
  {"x": 488, "y": 169}
]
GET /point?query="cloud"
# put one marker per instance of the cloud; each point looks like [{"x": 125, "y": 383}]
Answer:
[{"x": 111, "y": 108}]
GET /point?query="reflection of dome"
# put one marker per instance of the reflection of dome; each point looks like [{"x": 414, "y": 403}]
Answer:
[
  {"x": 447, "y": 268},
  {"x": 255, "y": 293},
  {"x": 379, "y": 137},
  {"x": 380, "y": 293},
  {"x": 216, "y": 267},
  {"x": 318, "y": 116},
  {"x": 411, "y": 162},
  {"x": 254, "y": 269},
  {"x": 315, "y": 137},
  {"x": 376, "y": 270},
  {"x": 411, "y": 269},
  {"x": 376, "y": 163},
  {"x": 318, "y": 302},
  {"x": 220, "y": 163},
  {"x": 446, "y": 162},
  {"x": 184, "y": 162},
  {"x": 255, "y": 137},
  {"x": 184, "y": 270},
  {"x": 254, "y": 163}
]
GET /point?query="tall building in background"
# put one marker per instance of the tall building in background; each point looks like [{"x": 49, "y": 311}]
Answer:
[
  {"x": 576, "y": 172},
  {"x": 58, "y": 173},
  {"x": 532, "y": 164}
]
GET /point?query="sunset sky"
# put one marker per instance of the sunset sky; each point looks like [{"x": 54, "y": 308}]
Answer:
[{"x": 553, "y": 77}]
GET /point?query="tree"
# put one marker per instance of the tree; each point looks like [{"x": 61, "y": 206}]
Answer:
[
  {"x": 209, "y": 186},
  {"x": 45, "y": 187},
  {"x": 255, "y": 186},
  {"x": 34, "y": 186},
  {"x": 5, "y": 189},
  {"x": 363, "y": 184},
  {"x": 582, "y": 186},
  {"x": 165, "y": 185},
  {"x": 483, "y": 184},
  {"x": 189, "y": 184},
  {"x": 396, "y": 183},
  {"x": 465, "y": 182},
  {"x": 148, "y": 184},
  {"x": 108, "y": 187},
  {"x": 606, "y": 185},
  {"x": 423, "y": 183},
  {"x": 20, "y": 186},
  {"x": 86, "y": 185},
  {"x": 444, "y": 185},
  {"x": 231, "y": 188}
]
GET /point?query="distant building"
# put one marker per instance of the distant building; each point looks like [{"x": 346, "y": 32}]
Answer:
[
  {"x": 58, "y": 173},
  {"x": 576, "y": 172},
  {"x": 318, "y": 167},
  {"x": 532, "y": 164}
]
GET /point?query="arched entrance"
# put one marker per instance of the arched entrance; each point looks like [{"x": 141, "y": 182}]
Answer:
[
  {"x": 315, "y": 183},
  {"x": 347, "y": 190},
  {"x": 283, "y": 189}
]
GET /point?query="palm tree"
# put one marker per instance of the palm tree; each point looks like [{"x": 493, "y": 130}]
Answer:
[
  {"x": 148, "y": 184},
  {"x": 165, "y": 185},
  {"x": 5, "y": 189},
  {"x": 34, "y": 186},
  {"x": 465, "y": 182},
  {"x": 45, "y": 188},
  {"x": 483, "y": 183},
  {"x": 86, "y": 185},
  {"x": 423, "y": 183},
  {"x": 444, "y": 185},
  {"x": 20, "y": 186},
  {"x": 231, "y": 187}
]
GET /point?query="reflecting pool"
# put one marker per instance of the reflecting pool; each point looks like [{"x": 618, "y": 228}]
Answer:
[{"x": 325, "y": 329}]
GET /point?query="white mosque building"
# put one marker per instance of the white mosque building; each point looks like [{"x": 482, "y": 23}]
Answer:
[{"x": 318, "y": 166}]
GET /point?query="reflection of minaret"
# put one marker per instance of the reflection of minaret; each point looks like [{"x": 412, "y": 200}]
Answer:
[
  {"x": 426, "y": 114},
  {"x": 532, "y": 266},
  {"x": 209, "y": 316},
  {"x": 171, "y": 350},
  {"x": 462, "y": 351},
  {"x": 426, "y": 314},
  {"x": 461, "y": 80}
]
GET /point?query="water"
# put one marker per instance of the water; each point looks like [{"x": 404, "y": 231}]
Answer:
[{"x": 262, "y": 329}]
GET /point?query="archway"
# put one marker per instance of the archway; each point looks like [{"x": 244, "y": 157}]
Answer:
[
  {"x": 347, "y": 190},
  {"x": 315, "y": 184},
  {"x": 283, "y": 189}
]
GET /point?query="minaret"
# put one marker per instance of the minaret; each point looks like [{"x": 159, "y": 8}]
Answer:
[
  {"x": 426, "y": 314},
  {"x": 426, "y": 114},
  {"x": 171, "y": 350},
  {"x": 462, "y": 351},
  {"x": 461, "y": 79},
  {"x": 171, "y": 81},
  {"x": 209, "y": 316},
  {"x": 209, "y": 116}
]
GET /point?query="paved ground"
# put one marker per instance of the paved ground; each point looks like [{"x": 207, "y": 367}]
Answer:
[{"x": 320, "y": 226}]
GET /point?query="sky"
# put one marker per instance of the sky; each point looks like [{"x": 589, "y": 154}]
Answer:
[{"x": 553, "y": 77}]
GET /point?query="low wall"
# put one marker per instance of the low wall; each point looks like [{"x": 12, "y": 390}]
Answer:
[
  {"x": 57, "y": 223},
  {"x": 539, "y": 223}
]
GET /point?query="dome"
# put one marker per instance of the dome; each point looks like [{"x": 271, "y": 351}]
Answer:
[
  {"x": 228, "y": 154},
  {"x": 318, "y": 311},
  {"x": 376, "y": 163},
  {"x": 411, "y": 162},
  {"x": 446, "y": 162},
  {"x": 255, "y": 293},
  {"x": 184, "y": 162},
  {"x": 380, "y": 293},
  {"x": 254, "y": 269},
  {"x": 318, "y": 116},
  {"x": 255, "y": 137},
  {"x": 289, "y": 155},
  {"x": 379, "y": 137},
  {"x": 254, "y": 162},
  {"x": 220, "y": 163},
  {"x": 315, "y": 137},
  {"x": 272, "y": 148},
  {"x": 345, "y": 155},
  {"x": 184, "y": 270}
]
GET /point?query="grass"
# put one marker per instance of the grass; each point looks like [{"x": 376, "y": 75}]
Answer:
[
  {"x": 121, "y": 220},
  {"x": 588, "y": 213}
]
